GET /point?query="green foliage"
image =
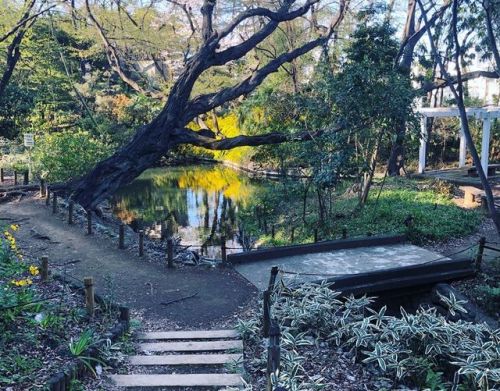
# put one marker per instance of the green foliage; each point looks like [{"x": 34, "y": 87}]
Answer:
[
  {"x": 289, "y": 204},
  {"x": 79, "y": 346},
  {"x": 35, "y": 324},
  {"x": 423, "y": 349},
  {"x": 67, "y": 155}
]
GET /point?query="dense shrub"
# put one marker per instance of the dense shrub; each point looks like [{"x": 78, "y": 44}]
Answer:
[
  {"x": 424, "y": 349},
  {"x": 67, "y": 155}
]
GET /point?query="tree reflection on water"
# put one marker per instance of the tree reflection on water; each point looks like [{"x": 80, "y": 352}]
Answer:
[{"x": 199, "y": 203}]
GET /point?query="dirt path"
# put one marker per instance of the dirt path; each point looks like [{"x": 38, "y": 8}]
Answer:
[{"x": 127, "y": 279}]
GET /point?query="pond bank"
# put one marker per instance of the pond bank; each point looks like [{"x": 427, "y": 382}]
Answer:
[{"x": 251, "y": 170}]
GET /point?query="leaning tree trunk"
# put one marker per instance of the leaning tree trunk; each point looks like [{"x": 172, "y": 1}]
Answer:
[{"x": 168, "y": 129}]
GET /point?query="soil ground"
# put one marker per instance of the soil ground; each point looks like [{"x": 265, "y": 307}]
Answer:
[{"x": 220, "y": 294}]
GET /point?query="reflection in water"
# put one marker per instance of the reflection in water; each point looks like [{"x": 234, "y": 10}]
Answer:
[{"x": 198, "y": 202}]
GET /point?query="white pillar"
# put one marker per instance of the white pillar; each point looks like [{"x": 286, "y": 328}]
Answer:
[
  {"x": 463, "y": 148},
  {"x": 485, "y": 144},
  {"x": 423, "y": 145}
]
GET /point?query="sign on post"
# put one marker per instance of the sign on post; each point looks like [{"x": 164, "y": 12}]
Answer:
[{"x": 29, "y": 141}]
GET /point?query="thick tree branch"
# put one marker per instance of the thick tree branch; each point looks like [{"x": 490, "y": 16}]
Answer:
[
  {"x": 442, "y": 83},
  {"x": 13, "y": 53},
  {"x": 408, "y": 45},
  {"x": 204, "y": 103},
  {"x": 188, "y": 136},
  {"x": 153, "y": 140}
]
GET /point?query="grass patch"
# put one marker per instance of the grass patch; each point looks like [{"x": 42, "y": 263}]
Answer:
[{"x": 427, "y": 204}]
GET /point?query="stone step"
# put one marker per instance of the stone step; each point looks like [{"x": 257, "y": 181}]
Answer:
[
  {"x": 186, "y": 359},
  {"x": 190, "y": 346},
  {"x": 189, "y": 380},
  {"x": 194, "y": 334}
]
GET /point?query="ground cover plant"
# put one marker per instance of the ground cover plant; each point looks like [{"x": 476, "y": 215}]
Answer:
[
  {"x": 43, "y": 325},
  {"x": 424, "y": 349}
]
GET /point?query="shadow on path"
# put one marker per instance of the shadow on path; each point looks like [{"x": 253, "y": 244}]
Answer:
[{"x": 128, "y": 279}]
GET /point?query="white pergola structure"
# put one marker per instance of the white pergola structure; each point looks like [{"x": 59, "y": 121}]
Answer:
[{"x": 486, "y": 114}]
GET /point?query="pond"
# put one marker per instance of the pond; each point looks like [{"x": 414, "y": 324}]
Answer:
[{"x": 196, "y": 203}]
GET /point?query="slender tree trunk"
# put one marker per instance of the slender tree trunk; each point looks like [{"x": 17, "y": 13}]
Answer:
[
  {"x": 488, "y": 8},
  {"x": 13, "y": 56},
  {"x": 458, "y": 94},
  {"x": 368, "y": 177}
]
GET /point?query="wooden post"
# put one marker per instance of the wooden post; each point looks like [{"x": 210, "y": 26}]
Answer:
[
  {"x": 344, "y": 233},
  {"x": 273, "y": 352},
  {"x": 71, "y": 206},
  {"x": 121, "y": 236},
  {"x": 141, "y": 243},
  {"x": 124, "y": 314},
  {"x": 423, "y": 145},
  {"x": 2, "y": 177},
  {"x": 292, "y": 235},
  {"x": 43, "y": 190},
  {"x": 273, "y": 229},
  {"x": 223, "y": 250},
  {"x": 15, "y": 177},
  {"x": 44, "y": 270},
  {"x": 89, "y": 221},
  {"x": 266, "y": 313},
  {"x": 54, "y": 203},
  {"x": 315, "y": 235},
  {"x": 272, "y": 279},
  {"x": 480, "y": 251},
  {"x": 88, "y": 282},
  {"x": 485, "y": 144},
  {"x": 163, "y": 230},
  {"x": 47, "y": 197},
  {"x": 26, "y": 180},
  {"x": 170, "y": 253}
]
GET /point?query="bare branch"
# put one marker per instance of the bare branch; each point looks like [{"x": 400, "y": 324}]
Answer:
[
  {"x": 243, "y": 48},
  {"x": 442, "y": 83},
  {"x": 408, "y": 45},
  {"x": 189, "y": 14},
  {"x": 114, "y": 59},
  {"x": 277, "y": 16},
  {"x": 23, "y": 22}
]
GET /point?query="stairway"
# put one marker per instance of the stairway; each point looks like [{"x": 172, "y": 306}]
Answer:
[{"x": 184, "y": 360}]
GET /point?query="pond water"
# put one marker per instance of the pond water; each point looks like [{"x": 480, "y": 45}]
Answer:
[{"x": 193, "y": 202}]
